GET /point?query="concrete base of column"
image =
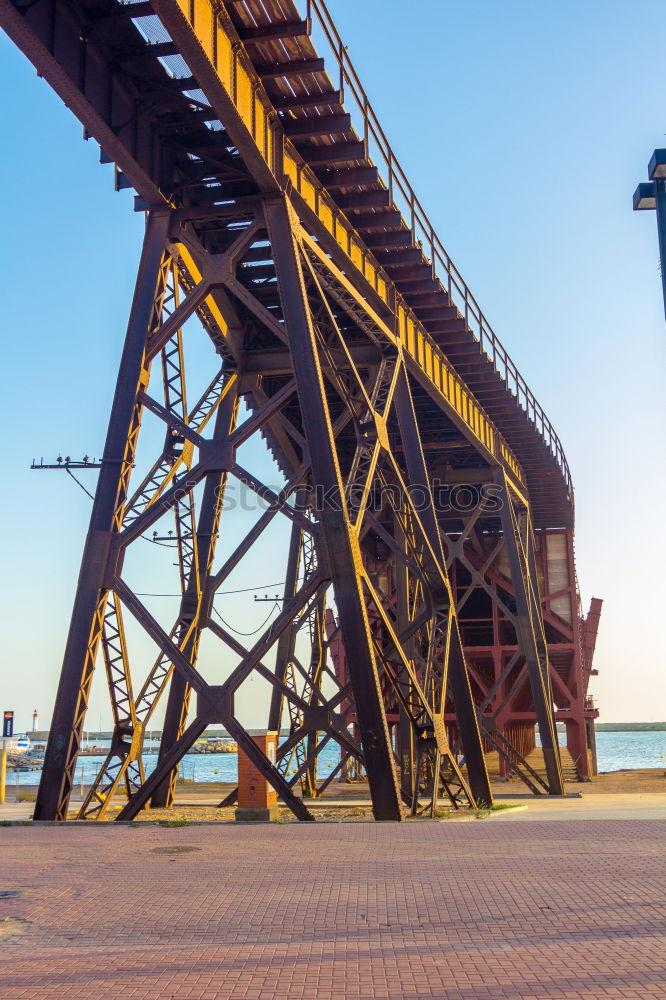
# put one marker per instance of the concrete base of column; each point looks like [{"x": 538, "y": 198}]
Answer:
[{"x": 254, "y": 814}]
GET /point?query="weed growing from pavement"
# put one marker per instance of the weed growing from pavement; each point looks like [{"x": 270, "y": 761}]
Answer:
[
  {"x": 476, "y": 813},
  {"x": 496, "y": 807}
]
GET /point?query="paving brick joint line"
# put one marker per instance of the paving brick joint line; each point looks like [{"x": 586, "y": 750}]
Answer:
[{"x": 532, "y": 911}]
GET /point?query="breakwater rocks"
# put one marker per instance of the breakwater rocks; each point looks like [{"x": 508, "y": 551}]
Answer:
[{"x": 215, "y": 746}]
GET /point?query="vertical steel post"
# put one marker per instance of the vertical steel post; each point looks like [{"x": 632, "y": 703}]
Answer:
[
  {"x": 87, "y": 616},
  {"x": 287, "y": 640},
  {"x": 458, "y": 677},
  {"x": 660, "y": 189},
  {"x": 592, "y": 745},
  {"x": 576, "y": 729},
  {"x": 406, "y": 742},
  {"x": 175, "y": 717},
  {"x": 342, "y": 544},
  {"x": 531, "y": 639}
]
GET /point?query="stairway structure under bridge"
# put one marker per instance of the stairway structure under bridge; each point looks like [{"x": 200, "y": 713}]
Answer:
[{"x": 430, "y": 613}]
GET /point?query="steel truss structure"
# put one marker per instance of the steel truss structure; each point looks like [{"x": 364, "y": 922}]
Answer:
[
  {"x": 335, "y": 401},
  {"x": 371, "y": 376}
]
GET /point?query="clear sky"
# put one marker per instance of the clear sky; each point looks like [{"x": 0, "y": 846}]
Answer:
[{"x": 524, "y": 128}]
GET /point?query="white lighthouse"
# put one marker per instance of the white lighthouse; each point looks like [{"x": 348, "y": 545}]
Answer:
[{"x": 35, "y": 721}]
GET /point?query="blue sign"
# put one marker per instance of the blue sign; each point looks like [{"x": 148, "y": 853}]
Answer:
[{"x": 8, "y": 724}]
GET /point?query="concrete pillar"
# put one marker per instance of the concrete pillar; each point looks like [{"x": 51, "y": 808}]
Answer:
[{"x": 257, "y": 799}]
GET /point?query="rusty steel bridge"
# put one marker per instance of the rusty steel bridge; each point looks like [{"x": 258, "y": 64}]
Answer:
[{"x": 427, "y": 495}]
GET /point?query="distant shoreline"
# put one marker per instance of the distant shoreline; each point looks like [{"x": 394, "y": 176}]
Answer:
[
  {"x": 92, "y": 736},
  {"x": 630, "y": 727}
]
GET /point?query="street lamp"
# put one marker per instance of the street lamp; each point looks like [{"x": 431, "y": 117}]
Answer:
[{"x": 653, "y": 196}]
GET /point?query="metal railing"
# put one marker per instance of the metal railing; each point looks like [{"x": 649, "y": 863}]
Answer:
[{"x": 402, "y": 194}]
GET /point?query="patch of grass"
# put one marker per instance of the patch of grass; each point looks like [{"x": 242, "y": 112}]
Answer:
[
  {"x": 496, "y": 807},
  {"x": 174, "y": 822}
]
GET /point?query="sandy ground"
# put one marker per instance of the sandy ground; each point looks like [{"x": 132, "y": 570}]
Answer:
[
  {"x": 612, "y": 782},
  {"x": 647, "y": 779},
  {"x": 613, "y": 794}
]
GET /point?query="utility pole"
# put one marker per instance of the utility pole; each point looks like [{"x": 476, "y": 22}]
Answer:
[{"x": 653, "y": 196}]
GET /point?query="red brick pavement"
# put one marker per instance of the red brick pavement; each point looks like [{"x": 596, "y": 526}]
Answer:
[{"x": 329, "y": 912}]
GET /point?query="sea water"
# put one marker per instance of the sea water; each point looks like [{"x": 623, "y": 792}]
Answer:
[
  {"x": 615, "y": 752},
  {"x": 629, "y": 750}
]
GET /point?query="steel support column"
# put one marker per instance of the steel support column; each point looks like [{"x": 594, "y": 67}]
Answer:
[
  {"x": 175, "y": 718},
  {"x": 88, "y": 613},
  {"x": 519, "y": 541},
  {"x": 458, "y": 678},
  {"x": 406, "y": 741},
  {"x": 286, "y": 642},
  {"x": 342, "y": 544}
]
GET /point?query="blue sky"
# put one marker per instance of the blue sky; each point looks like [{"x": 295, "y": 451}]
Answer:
[{"x": 524, "y": 128}]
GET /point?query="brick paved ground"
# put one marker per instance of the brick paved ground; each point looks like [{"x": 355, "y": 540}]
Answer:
[{"x": 487, "y": 910}]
